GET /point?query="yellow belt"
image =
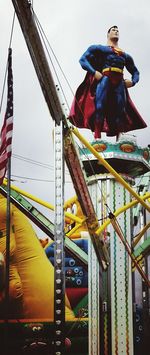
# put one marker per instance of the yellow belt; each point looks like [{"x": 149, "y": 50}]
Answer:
[{"x": 117, "y": 70}]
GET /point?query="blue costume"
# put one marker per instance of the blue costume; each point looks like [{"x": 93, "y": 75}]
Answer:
[{"x": 109, "y": 95}]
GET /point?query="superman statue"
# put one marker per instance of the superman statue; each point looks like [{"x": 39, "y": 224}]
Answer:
[{"x": 102, "y": 102}]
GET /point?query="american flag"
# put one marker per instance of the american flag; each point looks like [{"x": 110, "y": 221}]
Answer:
[{"x": 7, "y": 128}]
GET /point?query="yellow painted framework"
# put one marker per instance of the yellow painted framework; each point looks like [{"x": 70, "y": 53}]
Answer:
[{"x": 110, "y": 169}]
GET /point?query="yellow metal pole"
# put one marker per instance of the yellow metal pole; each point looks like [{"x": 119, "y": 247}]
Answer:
[
  {"x": 73, "y": 230},
  {"x": 109, "y": 168},
  {"x": 30, "y": 196},
  {"x": 44, "y": 203},
  {"x": 119, "y": 211},
  {"x": 140, "y": 235}
]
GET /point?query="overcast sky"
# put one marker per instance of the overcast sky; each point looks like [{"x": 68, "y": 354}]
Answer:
[{"x": 70, "y": 26}]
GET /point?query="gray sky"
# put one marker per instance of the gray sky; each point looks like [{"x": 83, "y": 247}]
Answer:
[{"x": 70, "y": 26}]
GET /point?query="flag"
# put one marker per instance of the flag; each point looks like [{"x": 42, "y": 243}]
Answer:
[{"x": 7, "y": 128}]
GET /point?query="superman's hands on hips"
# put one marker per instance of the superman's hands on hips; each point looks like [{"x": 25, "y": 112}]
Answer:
[
  {"x": 98, "y": 75},
  {"x": 128, "y": 83}
]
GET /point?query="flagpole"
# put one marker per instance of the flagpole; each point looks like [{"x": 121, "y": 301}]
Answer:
[
  {"x": 7, "y": 241},
  {"x": 9, "y": 112},
  {"x": 5, "y": 164}
]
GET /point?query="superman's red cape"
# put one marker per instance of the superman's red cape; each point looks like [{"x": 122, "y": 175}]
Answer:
[{"x": 83, "y": 115}]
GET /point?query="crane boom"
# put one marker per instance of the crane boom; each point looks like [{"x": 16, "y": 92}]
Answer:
[{"x": 30, "y": 31}]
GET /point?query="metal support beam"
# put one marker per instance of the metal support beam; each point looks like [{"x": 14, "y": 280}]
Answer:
[{"x": 59, "y": 258}]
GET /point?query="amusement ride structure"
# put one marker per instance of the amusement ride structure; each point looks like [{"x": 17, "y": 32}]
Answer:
[{"x": 107, "y": 240}]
